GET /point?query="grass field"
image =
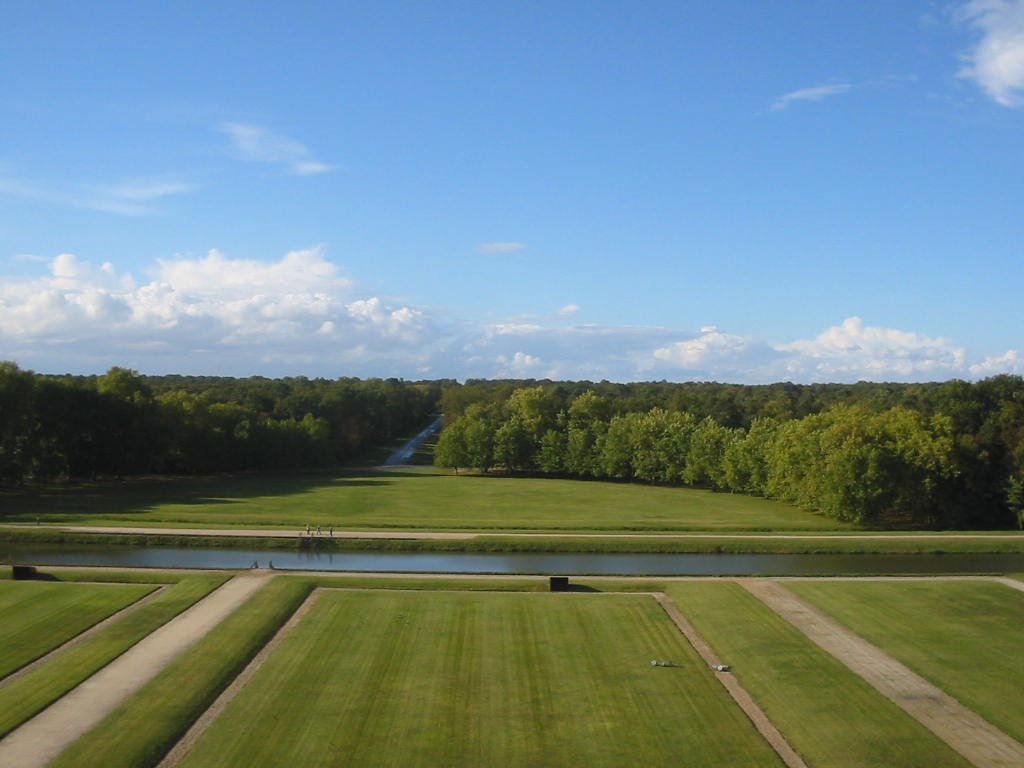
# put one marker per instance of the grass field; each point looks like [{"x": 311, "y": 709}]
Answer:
[
  {"x": 146, "y": 725},
  {"x": 371, "y": 678},
  {"x": 436, "y": 670},
  {"x": 410, "y": 500},
  {"x": 965, "y": 637},
  {"x": 39, "y": 616},
  {"x": 25, "y": 696},
  {"x": 830, "y": 715}
]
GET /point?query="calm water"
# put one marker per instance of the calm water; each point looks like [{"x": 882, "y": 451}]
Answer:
[{"x": 535, "y": 563}]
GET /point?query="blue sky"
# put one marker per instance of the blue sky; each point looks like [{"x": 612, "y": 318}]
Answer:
[{"x": 737, "y": 191}]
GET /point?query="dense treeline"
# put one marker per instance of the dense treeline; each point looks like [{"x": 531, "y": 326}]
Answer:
[
  {"x": 937, "y": 455},
  {"x": 122, "y": 423}
]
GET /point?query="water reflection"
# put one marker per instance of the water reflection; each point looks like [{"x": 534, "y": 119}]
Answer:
[{"x": 517, "y": 563}]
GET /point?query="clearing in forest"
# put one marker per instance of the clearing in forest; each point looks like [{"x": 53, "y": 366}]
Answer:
[{"x": 423, "y": 500}]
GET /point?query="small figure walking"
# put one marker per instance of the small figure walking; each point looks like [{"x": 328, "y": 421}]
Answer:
[
  {"x": 307, "y": 529},
  {"x": 318, "y": 530},
  {"x": 332, "y": 531}
]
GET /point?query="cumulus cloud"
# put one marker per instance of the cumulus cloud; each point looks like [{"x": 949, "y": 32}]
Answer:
[
  {"x": 568, "y": 310},
  {"x": 300, "y": 315},
  {"x": 815, "y": 93},
  {"x": 492, "y": 248},
  {"x": 1008, "y": 362},
  {"x": 710, "y": 347},
  {"x": 996, "y": 62},
  {"x": 210, "y": 313},
  {"x": 258, "y": 144},
  {"x": 520, "y": 366},
  {"x": 855, "y": 350}
]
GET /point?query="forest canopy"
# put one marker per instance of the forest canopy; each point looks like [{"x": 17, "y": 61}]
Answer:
[
  {"x": 123, "y": 423},
  {"x": 942, "y": 455}
]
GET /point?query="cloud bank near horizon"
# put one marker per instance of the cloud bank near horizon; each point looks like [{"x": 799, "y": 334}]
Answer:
[{"x": 300, "y": 315}]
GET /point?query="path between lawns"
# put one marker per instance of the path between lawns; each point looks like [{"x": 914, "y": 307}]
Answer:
[
  {"x": 46, "y": 735},
  {"x": 186, "y": 742},
  {"x": 292, "y": 533},
  {"x": 739, "y": 694},
  {"x": 83, "y": 636},
  {"x": 976, "y": 739}
]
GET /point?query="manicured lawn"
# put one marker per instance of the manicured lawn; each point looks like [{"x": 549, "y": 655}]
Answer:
[
  {"x": 415, "y": 679},
  {"x": 38, "y": 616},
  {"x": 147, "y": 724},
  {"x": 407, "y": 500},
  {"x": 29, "y": 694},
  {"x": 828, "y": 714},
  {"x": 966, "y": 637}
]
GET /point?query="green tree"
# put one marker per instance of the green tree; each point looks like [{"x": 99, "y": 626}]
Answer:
[{"x": 451, "y": 450}]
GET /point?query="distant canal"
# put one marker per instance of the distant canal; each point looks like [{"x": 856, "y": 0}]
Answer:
[{"x": 516, "y": 563}]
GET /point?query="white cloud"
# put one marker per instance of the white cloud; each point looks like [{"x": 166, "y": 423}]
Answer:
[
  {"x": 127, "y": 198},
  {"x": 996, "y": 62},
  {"x": 491, "y": 248},
  {"x": 568, "y": 310},
  {"x": 211, "y": 313},
  {"x": 1008, "y": 362},
  {"x": 815, "y": 93},
  {"x": 253, "y": 142},
  {"x": 299, "y": 315},
  {"x": 520, "y": 365},
  {"x": 854, "y": 350},
  {"x": 699, "y": 352}
]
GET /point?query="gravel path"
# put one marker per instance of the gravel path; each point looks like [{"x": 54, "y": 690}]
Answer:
[
  {"x": 82, "y": 636},
  {"x": 976, "y": 739},
  {"x": 186, "y": 742},
  {"x": 739, "y": 694},
  {"x": 292, "y": 533},
  {"x": 45, "y": 736}
]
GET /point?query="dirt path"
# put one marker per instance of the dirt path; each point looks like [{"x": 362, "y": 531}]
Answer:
[
  {"x": 179, "y": 750},
  {"x": 43, "y": 737},
  {"x": 739, "y": 694},
  {"x": 976, "y": 739},
  {"x": 82, "y": 636}
]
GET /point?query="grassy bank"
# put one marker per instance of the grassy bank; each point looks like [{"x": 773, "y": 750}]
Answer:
[
  {"x": 667, "y": 544},
  {"x": 404, "y": 500}
]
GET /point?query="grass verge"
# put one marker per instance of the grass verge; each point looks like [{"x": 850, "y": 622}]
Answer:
[
  {"x": 964, "y": 637},
  {"x": 662, "y": 544},
  {"x": 39, "y": 616},
  {"x": 143, "y": 728},
  {"x": 829, "y": 715},
  {"x": 37, "y": 689}
]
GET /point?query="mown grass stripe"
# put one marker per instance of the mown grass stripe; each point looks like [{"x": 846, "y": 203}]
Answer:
[
  {"x": 956, "y": 634},
  {"x": 372, "y": 678},
  {"x": 143, "y": 728},
  {"x": 33, "y": 692},
  {"x": 41, "y": 616},
  {"x": 832, "y": 717}
]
